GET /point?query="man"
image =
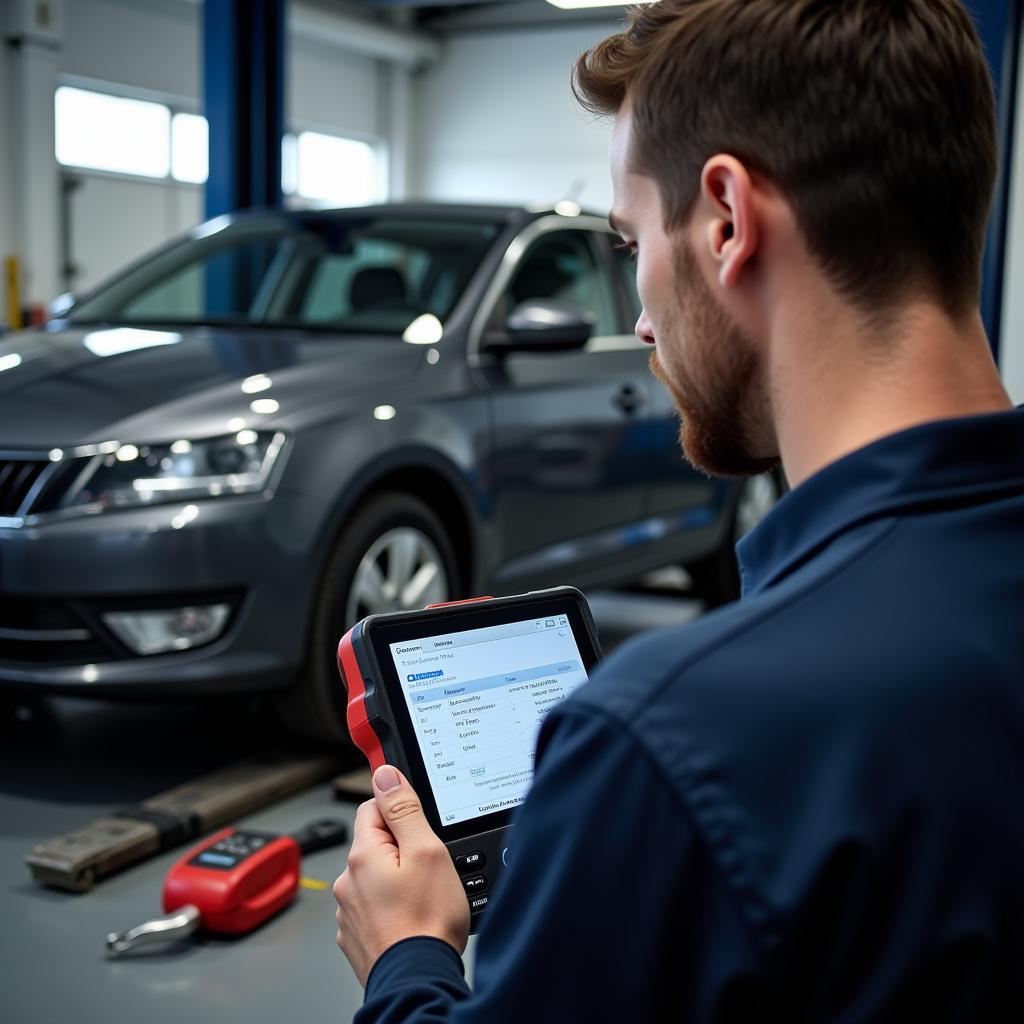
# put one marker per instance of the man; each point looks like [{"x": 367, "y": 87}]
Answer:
[{"x": 804, "y": 807}]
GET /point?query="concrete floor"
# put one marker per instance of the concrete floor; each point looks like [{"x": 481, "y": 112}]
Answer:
[{"x": 72, "y": 761}]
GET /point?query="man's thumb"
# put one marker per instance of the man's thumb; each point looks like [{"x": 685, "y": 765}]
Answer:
[{"x": 399, "y": 805}]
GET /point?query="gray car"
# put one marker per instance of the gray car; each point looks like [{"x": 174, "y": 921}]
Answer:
[{"x": 218, "y": 460}]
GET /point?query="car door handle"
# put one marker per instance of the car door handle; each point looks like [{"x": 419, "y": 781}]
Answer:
[{"x": 628, "y": 398}]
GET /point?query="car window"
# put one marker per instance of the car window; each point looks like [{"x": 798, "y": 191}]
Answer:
[
  {"x": 562, "y": 265},
  {"x": 225, "y": 283},
  {"x": 354, "y": 273},
  {"x": 338, "y": 282},
  {"x": 625, "y": 267},
  {"x": 181, "y": 293}
]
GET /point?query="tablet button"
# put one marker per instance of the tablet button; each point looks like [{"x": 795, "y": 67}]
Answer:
[
  {"x": 475, "y": 884},
  {"x": 470, "y": 862},
  {"x": 477, "y": 903}
]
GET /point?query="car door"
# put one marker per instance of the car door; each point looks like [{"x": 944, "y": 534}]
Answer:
[
  {"x": 675, "y": 493},
  {"x": 565, "y": 473}
]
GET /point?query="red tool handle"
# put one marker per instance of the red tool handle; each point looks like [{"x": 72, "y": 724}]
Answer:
[{"x": 240, "y": 898}]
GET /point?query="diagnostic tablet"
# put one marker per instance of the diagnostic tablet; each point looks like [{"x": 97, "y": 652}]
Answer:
[{"x": 454, "y": 696}]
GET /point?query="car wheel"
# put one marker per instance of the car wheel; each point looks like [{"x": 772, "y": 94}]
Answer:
[
  {"x": 716, "y": 578},
  {"x": 393, "y": 555}
]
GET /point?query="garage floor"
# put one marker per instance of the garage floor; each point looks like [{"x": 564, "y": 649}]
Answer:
[{"x": 73, "y": 761}]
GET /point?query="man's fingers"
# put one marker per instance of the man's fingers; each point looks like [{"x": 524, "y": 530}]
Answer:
[
  {"x": 401, "y": 809},
  {"x": 368, "y": 818},
  {"x": 369, "y": 833}
]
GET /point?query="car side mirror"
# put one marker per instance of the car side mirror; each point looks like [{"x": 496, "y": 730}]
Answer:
[{"x": 543, "y": 325}]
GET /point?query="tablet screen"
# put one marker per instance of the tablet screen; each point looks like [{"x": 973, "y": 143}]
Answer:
[{"x": 476, "y": 699}]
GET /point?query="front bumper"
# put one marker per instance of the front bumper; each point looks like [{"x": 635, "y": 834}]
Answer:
[{"x": 57, "y": 578}]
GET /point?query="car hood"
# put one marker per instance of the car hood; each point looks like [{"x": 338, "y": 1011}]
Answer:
[{"x": 60, "y": 388}]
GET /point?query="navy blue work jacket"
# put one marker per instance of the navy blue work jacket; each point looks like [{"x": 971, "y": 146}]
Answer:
[{"x": 805, "y": 807}]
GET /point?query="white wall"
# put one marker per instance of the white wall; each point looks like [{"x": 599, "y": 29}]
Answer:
[
  {"x": 1012, "y": 349},
  {"x": 332, "y": 90},
  {"x": 35, "y": 180},
  {"x": 497, "y": 120},
  {"x": 145, "y": 44},
  {"x": 6, "y": 164},
  {"x": 147, "y": 215}
]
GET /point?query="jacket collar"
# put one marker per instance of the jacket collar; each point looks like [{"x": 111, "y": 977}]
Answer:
[{"x": 931, "y": 463}]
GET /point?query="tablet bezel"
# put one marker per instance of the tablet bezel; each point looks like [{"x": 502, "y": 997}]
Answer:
[{"x": 382, "y": 631}]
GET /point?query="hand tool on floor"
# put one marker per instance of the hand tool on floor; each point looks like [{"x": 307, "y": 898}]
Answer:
[
  {"x": 230, "y": 883},
  {"x": 77, "y": 860}
]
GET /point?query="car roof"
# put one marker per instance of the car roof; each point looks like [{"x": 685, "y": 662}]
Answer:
[{"x": 507, "y": 212}]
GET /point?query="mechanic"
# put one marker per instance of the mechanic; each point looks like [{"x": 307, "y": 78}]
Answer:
[{"x": 805, "y": 806}]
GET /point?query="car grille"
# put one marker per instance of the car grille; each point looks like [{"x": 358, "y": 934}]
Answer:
[
  {"x": 18, "y": 477},
  {"x": 50, "y": 631}
]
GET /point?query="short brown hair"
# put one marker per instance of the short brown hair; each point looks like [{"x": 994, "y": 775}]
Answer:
[{"x": 874, "y": 118}]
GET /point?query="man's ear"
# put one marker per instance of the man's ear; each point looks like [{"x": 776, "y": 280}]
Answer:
[{"x": 732, "y": 232}]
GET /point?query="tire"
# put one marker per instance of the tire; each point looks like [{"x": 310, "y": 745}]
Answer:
[
  {"x": 716, "y": 577},
  {"x": 382, "y": 562}
]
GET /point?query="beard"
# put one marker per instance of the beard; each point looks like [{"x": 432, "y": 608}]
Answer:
[{"x": 721, "y": 392}]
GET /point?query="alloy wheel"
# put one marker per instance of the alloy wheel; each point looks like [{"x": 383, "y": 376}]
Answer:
[{"x": 401, "y": 571}]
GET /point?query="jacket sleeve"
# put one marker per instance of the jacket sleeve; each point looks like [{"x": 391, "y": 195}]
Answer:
[{"x": 610, "y": 909}]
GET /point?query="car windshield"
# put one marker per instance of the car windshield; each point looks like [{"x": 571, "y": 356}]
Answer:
[{"x": 351, "y": 274}]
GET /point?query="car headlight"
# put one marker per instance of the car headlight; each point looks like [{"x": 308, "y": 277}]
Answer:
[{"x": 128, "y": 475}]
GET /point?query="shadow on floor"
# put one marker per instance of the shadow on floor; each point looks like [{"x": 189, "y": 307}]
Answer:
[{"x": 80, "y": 751}]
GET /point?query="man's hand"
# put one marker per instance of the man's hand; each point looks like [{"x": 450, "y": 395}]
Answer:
[{"x": 400, "y": 880}]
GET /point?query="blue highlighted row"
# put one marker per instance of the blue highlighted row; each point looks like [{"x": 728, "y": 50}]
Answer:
[
  {"x": 415, "y": 677},
  {"x": 490, "y": 682}
]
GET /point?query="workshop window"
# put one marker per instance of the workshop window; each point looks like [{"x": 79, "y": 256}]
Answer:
[
  {"x": 333, "y": 170},
  {"x": 111, "y": 133},
  {"x": 104, "y": 132},
  {"x": 190, "y": 148}
]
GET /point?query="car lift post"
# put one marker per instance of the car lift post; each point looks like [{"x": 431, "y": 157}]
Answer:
[
  {"x": 999, "y": 24},
  {"x": 243, "y": 68}
]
